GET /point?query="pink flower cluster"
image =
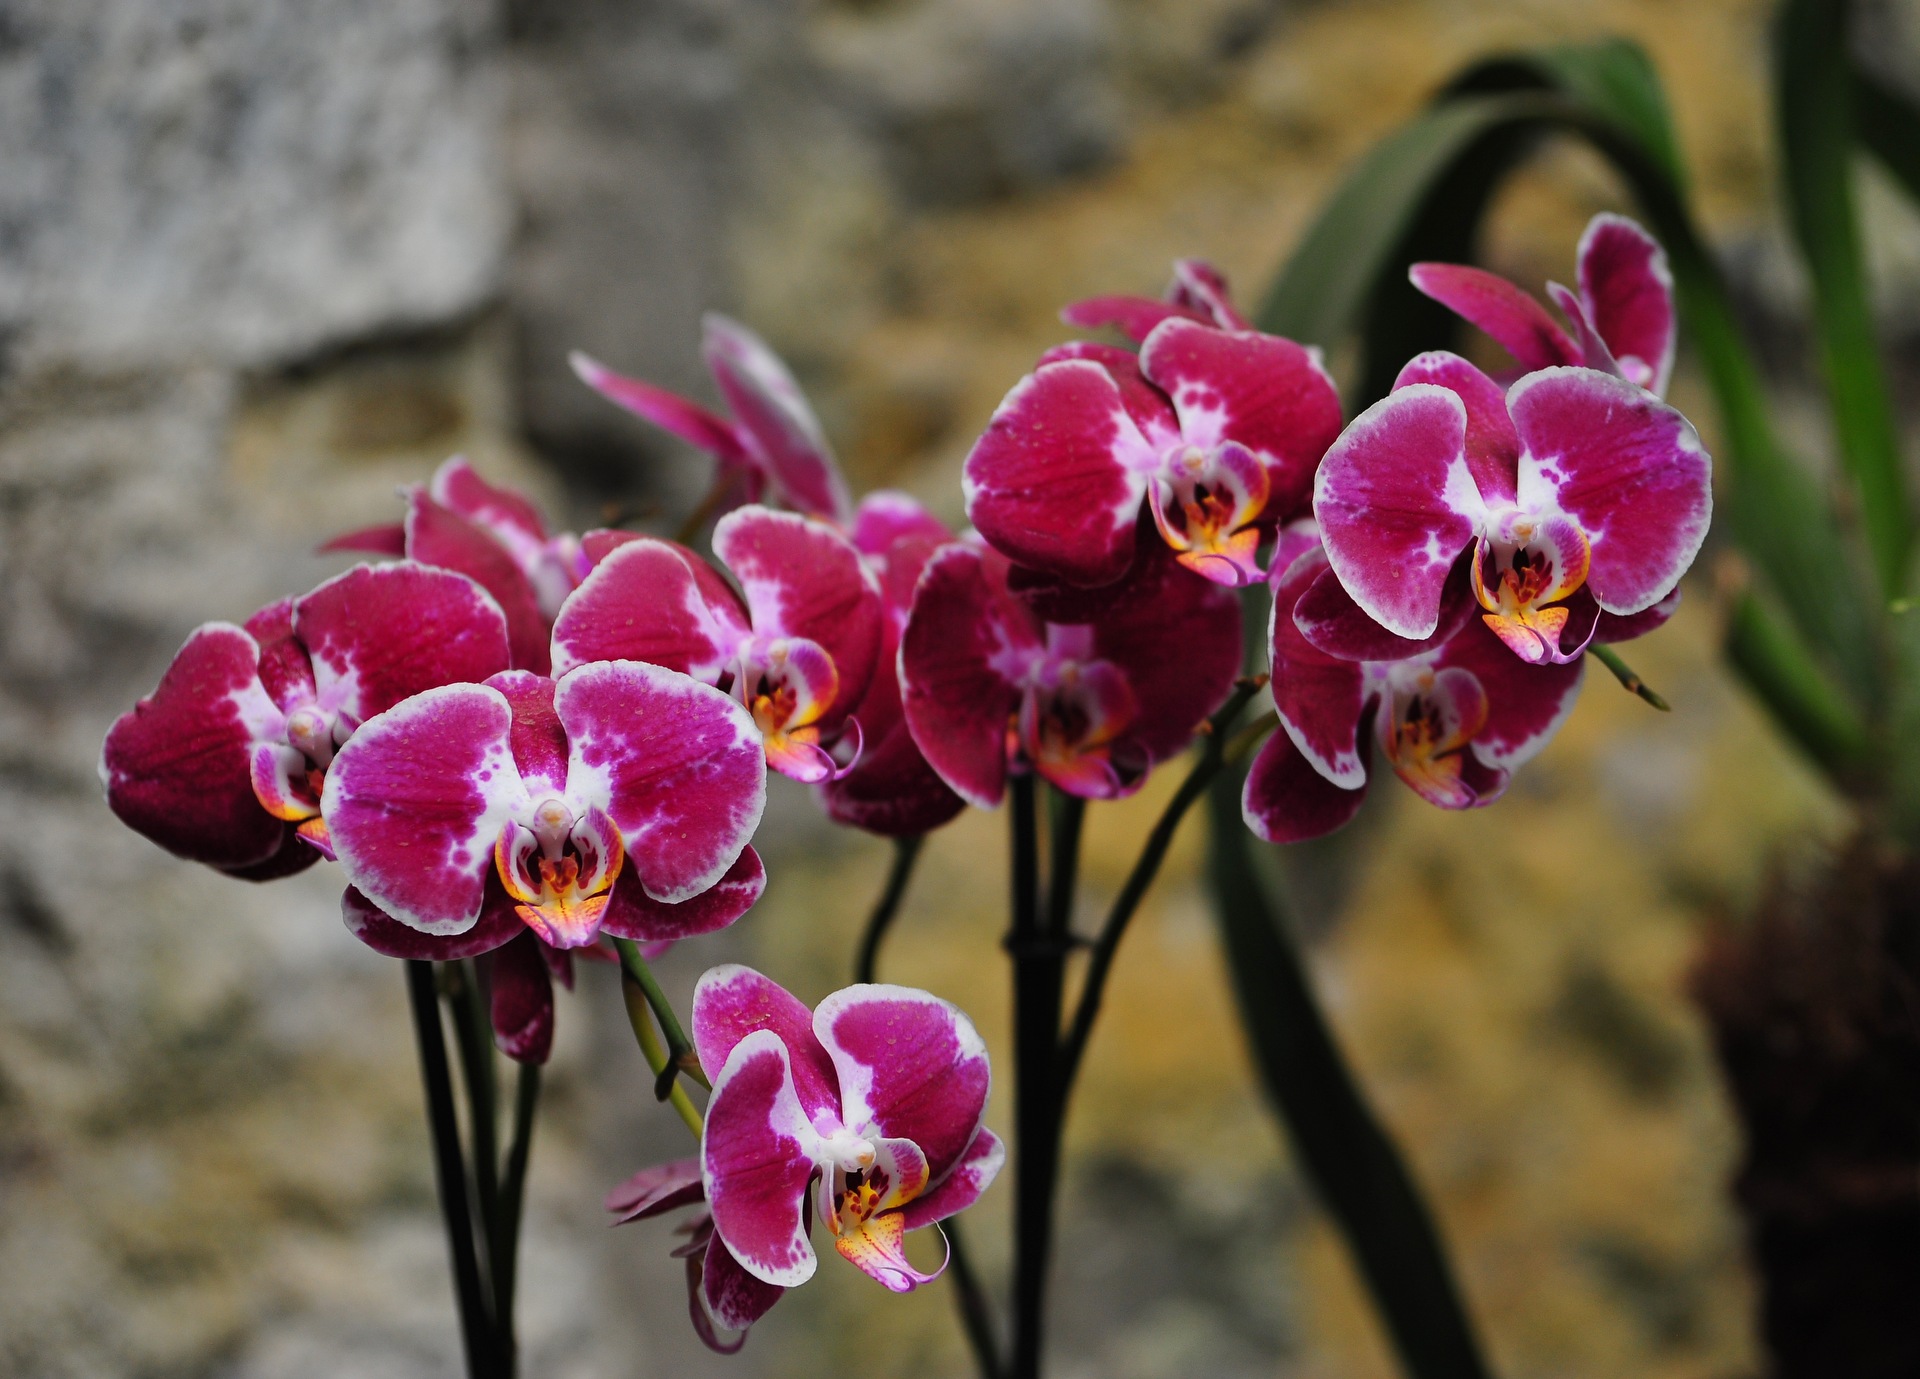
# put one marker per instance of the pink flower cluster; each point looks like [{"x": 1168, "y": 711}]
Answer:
[{"x": 517, "y": 744}]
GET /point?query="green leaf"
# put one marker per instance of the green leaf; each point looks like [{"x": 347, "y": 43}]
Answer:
[
  {"x": 1804, "y": 703},
  {"x": 1345, "y": 1151},
  {"x": 1814, "y": 90}
]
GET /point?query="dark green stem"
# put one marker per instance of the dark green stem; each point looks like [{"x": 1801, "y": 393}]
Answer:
[
  {"x": 513, "y": 1192},
  {"x": 1346, "y": 1153},
  {"x": 1214, "y": 750},
  {"x": 976, "y": 1315},
  {"x": 1628, "y": 677},
  {"x": 476, "y": 1328},
  {"x": 1038, "y": 972},
  {"x": 906, "y": 851},
  {"x": 473, "y": 1035},
  {"x": 680, "y": 1055}
]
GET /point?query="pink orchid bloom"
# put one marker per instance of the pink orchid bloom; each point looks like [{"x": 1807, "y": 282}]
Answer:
[
  {"x": 797, "y": 650},
  {"x": 989, "y": 686},
  {"x": 1454, "y": 721},
  {"x": 1623, "y": 319},
  {"x": 867, "y": 1109},
  {"x": 1198, "y": 292},
  {"x": 495, "y": 537},
  {"x": 891, "y": 790},
  {"x": 224, "y": 762},
  {"x": 1577, "y": 493},
  {"x": 772, "y": 440},
  {"x": 1216, "y": 432},
  {"x": 721, "y": 1296},
  {"x": 617, "y": 799}
]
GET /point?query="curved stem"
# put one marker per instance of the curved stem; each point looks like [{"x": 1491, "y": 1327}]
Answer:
[
  {"x": 906, "y": 851},
  {"x": 639, "y": 1016},
  {"x": 450, "y": 1174},
  {"x": 1213, "y": 754},
  {"x": 680, "y": 1055}
]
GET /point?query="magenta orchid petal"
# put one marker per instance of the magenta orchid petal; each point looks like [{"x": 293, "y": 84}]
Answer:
[
  {"x": 955, "y": 685},
  {"x": 1146, "y": 404},
  {"x": 510, "y": 516},
  {"x": 887, "y": 517},
  {"x": 286, "y": 671},
  {"x": 1133, "y": 317},
  {"x": 1627, "y": 290},
  {"x": 438, "y": 536},
  {"x": 910, "y": 1065},
  {"x": 1319, "y": 697},
  {"x": 388, "y": 538},
  {"x": 1264, "y": 392},
  {"x": 656, "y": 1190},
  {"x": 380, "y": 931},
  {"x": 964, "y": 1184},
  {"x": 733, "y": 1298},
  {"x": 775, "y": 421},
  {"x": 1626, "y": 467},
  {"x": 673, "y": 414},
  {"x": 1331, "y": 621},
  {"x": 538, "y": 739},
  {"x": 1594, "y": 353},
  {"x": 1287, "y": 800},
  {"x": 1056, "y": 481},
  {"x": 1492, "y": 445},
  {"x": 1526, "y": 705},
  {"x": 677, "y": 765},
  {"x": 730, "y": 1002},
  {"x": 634, "y": 914},
  {"x": 1176, "y": 639},
  {"x": 645, "y": 600},
  {"x": 520, "y": 1000},
  {"x": 177, "y": 767},
  {"x": 802, "y": 579},
  {"x": 1500, "y": 309},
  {"x": 1396, "y": 504},
  {"x": 416, "y": 800},
  {"x": 1201, "y": 288},
  {"x": 757, "y": 1155},
  {"x": 379, "y": 634},
  {"x": 1613, "y": 627}
]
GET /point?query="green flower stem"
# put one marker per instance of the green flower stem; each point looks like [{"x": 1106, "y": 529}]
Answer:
[
  {"x": 640, "y": 1017},
  {"x": 906, "y": 851},
  {"x": 1628, "y": 677},
  {"x": 1214, "y": 752},
  {"x": 680, "y": 1055},
  {"x": 450, "y": 1174},
  {"x": 473, "y": 1037}
]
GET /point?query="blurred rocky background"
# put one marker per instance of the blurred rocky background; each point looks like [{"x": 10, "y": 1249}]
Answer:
[{"x": 263, "y": 261}]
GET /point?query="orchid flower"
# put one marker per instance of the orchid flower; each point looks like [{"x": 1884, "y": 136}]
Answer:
[
  {"x": 1454, "y": 721},
  {"x": 866, "y": 1110},
  {"x": 989, "y": 686},
  {"x": 891, "y": 790},
  {"x": 224, "y": 762},
  {"x": 618, "y": 799},
  {"x": 721, "y": 1296},
  {"x": 772, "y": 441},
  {"x": 798, "y": 650},
  {"x": 1198, "y": 292},
  {"x": 1216, "y": 432},
  {"x": 1577, "y": 493},
  {"x": 1622, "y": 317},
  {"x": 495, "y": 537}
]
